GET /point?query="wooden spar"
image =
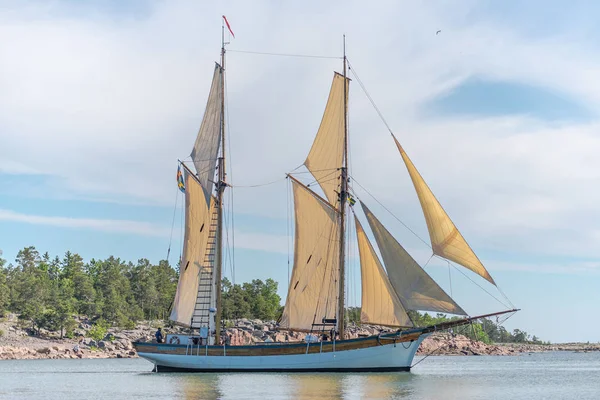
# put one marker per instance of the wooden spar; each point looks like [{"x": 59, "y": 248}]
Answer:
[
  {"x": 221, "y": 185},
  {"x": 343, "y": 196},
  {"x": 452, "y": 324},
  {"x": 189, "y": 171},
  {"x": 316, "y": 195}
]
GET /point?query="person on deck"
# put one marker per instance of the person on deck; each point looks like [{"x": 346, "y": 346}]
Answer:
[{"x": 159, "y": 335}]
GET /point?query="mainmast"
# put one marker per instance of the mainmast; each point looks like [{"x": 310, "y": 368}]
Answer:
[
  {"x": 343, "y": 197},
  {"x": 221, "y": 185}
]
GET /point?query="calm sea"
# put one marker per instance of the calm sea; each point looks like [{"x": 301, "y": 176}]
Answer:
[{"x": 536, "y": 376}]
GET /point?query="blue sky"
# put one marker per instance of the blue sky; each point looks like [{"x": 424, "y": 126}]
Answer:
[{"x": 499, "y": 112}]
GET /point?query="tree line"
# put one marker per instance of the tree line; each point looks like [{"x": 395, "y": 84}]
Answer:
[{"x": 48, "y": 292}]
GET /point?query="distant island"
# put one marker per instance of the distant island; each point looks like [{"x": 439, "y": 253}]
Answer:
[{"x": 68, "y": 301}]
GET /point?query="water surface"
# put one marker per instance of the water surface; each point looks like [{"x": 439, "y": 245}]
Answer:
[{"x": 537, "y": 376}]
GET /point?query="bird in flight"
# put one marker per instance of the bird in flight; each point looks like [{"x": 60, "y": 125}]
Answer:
[{"x": 438, "y": 32}]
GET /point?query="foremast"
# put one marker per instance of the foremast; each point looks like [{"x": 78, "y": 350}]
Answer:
[
  {"x": 342, "y": 209},
  {"x": 221, "y": 185}
]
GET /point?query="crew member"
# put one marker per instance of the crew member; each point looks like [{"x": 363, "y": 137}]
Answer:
[{"x": 159, "y": 336}]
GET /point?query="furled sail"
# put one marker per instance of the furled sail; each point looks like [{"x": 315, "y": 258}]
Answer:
[
  {"x": 446, "y": 240},
  {"x": 326, "y": 154},
  {"x": 415, "y": 288},
  {"x": 197, "y": 227},
  {"x": 380, "y": 304},
  {"x": 313, "y": 290},
  {"x": 206, "y": 148}
]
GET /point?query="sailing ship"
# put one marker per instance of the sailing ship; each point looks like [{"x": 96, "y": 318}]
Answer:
[{"x": 315, "y": 301}]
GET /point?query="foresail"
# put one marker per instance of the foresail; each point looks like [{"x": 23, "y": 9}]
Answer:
[
  {"x": 326, "y": 154},
  {"x": 380, "y": 304},
  {"x": 206, "y": 148},
  {"x": 446, "y": 240},
  {"x": 313, "y": 290},
  {"x": 207, "y": 283},
  {"x": 415, "y": 288},
  {"x": 197, "y": 227}
]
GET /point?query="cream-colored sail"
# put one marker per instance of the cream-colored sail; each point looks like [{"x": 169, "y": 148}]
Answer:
[
  {"x": 206, "y": 297},
  {"x": 446, "y": 240},
  {"x": 380, "y": 304},
  {"x": 197, "y": 227},
  {"x": 206, "y": 148},
  {"x": 313, "y": 290},
  {"x": 415, "y": 288},
  {"x": 326, "y": 154}
]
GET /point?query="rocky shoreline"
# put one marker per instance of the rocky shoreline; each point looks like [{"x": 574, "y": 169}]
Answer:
[{"x": 16, "y": 343}]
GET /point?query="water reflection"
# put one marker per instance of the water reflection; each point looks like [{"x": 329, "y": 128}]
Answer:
[{"x": 304, "y": 386}]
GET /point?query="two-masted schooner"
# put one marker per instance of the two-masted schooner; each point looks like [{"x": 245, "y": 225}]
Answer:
[{"x": 315, "y": 301}]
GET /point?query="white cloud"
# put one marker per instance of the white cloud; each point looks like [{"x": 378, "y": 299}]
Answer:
[
  {"x": 106, "y": 105},
  {"x": 104, "y": 225}
]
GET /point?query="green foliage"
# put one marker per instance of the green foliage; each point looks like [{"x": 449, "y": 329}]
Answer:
[
  {"x": 1, "y": 333},
  {"x": 4, "y": 291},
  {"x": 98, "y": 331},
  {"x": 353, "y": 314},
  {"x": 256, "y": 299},
  {"x": 47, "y": 292}
]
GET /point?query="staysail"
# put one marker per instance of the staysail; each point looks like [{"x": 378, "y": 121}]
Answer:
[
  {"x": 206, "y": 148},
  {"x": 312, "y": 293},
  {"x": 446, "y": 240},
  {"x": 380, "y": 304},
  {"x": 197, "y": 227},
  {"x": 326, "y": 154},
  {"x": 415, "y": 288}
]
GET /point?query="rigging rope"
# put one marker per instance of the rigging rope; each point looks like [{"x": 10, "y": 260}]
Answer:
[
  {"x": 182, "y": 230},
  {"x": 259, "y": 184},
  {"x": 173, "y": 223},
  {"x": 232, "y": 249},
  {"x": 391, "y": 213},
  {"x": 353, "y": 70},
  {"x": 362, "y": 86},
  {"x": 284, "y": 54},
  {"x": 427, "y": 244},
  {"x": 267, "y": 183},
  {"x": 450, "y": 278},
  {"x": 288, "y": 229},
  {"x": 485, "y": 331},
  {"x": 469, "y": 278}
]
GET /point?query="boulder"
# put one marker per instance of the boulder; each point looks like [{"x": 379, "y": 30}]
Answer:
[{"x": 101, "y": 344}]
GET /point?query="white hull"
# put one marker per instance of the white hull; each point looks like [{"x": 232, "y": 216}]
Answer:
[{"x": 387, "y": 357}]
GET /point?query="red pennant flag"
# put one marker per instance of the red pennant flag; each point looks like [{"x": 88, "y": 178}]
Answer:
[{"x": 228, "y": 26}]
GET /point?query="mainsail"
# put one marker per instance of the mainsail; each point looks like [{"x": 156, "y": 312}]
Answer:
[
  {"x": 312, "y": 294},
  {"x": 446, "y": 240},
  {"x": 206, "y": 148},
  {"x": 415, "y": 288},
  {"x": 326, "y": 154},
  {"x": 380, "y": 304},
  {"x": 197, "y": 227}
]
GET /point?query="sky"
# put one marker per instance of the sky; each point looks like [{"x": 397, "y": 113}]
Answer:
[{"x": 499, "y": 111}]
